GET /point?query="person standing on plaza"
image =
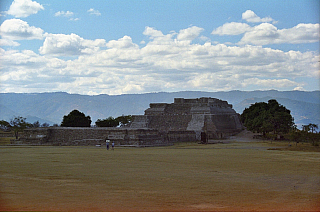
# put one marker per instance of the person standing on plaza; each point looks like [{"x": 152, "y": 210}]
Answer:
[
  {"x": 107, "y": 144},
  {"x": 112, "y": 145}
]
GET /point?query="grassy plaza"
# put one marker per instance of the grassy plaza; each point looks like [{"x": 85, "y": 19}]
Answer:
[{"x": 184, "y": 177}]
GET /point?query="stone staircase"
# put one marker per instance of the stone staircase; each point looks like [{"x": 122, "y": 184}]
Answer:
[{"x": 196, "y": 123}]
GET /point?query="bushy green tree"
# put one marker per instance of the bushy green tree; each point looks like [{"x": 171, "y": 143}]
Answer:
[
  {"x": 310, "y": 127},
  {"x": 4, "y": 125},
  {"x": 36, "y": 124},
  {"x": 18, "y": 124},
  {"x": 108, "y": 122},
  {"x": 114, "y": 122},
  {"x": 124, "y": 120},
  {"x": 76, "y": 119},
  {"x": 45, "y": 125},
  {"x": 309, "y": 133},
  {"x": 268, "y": 117}
]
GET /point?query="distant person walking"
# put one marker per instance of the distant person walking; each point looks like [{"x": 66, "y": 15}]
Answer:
[
  {"x": 107, "y": 144},
  {"x": 112, "y": 145}
]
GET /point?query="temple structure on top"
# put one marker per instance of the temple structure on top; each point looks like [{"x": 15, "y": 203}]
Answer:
[{"x": 211, "y": 116}]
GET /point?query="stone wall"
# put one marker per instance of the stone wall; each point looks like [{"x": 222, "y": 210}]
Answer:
[
  {"x": 78, "y": 136},
  {"x": 169, "y": 122},
  {"x": 181, "y": 136},
  {"x": 93, "y": 136}
]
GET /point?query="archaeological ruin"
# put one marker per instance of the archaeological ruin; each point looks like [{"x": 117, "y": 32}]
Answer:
[{"x": 200, "y": 119}]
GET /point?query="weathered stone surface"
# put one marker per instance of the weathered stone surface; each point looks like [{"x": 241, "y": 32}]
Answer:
[
  {"x": 210, "y": 115},
  {"x": 93, "y": 136}
]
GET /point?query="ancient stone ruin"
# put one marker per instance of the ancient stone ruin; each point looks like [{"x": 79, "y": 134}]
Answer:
[
  {"x": 213, "y": 116},
  {"x": 162, "y": 124}
]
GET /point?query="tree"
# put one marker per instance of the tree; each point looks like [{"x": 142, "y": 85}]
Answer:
[
  {"x": 4, "y": 125},
  {"x": 114, "y": 122},
  {"x": 124, "y": 120},
  {"x": 76, "y": 119},
  {"x": 305, "y": 128},
  {"x": 312, "y": 136},
  {"x": 18, "y": 124},
  {"x": 45, "y": 125},
  {"x": 313, "y": 127},
  {"x": 36, "y": 124},
  {"x": 264, "y": 117},
  {"x": 309, "y": 127},
  {"x": 108, "y": 122}
]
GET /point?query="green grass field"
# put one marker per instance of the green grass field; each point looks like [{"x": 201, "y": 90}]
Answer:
[{"x": 185, "y": 177}]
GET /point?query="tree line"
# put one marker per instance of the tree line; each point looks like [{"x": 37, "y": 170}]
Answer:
[
  {"x": 78, "y": 119},
  {"x": 74, "y": 119}
]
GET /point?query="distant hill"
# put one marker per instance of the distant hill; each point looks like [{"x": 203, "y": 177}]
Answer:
[{"x": 51, "y": 107}]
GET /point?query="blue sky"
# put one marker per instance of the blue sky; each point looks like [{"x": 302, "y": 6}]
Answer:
[{"x": 117, "y": 47}]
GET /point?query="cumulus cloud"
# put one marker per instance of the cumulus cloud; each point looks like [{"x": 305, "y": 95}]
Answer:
[
  {"x": 266, "y": 33},
  {"x": 74, "y": 19},
  {"x": 302, "y": 33},
  {"x": 7, "y": 42},
  {"x": 16, "y": 29},
  {"x": 24, "y": 8},
  {"x": 125, "y": 42},
  {"x": 250, "y": 16},
  {"x": 67, "y": 14},
  {"x": 69, "y": 45},
  {"x": 232, "y": 28},
  {"x": 184, "y": 37},
  {"x": 63, "y": 13},
  {"x": 162, "y": 64},
  {"x": 189, "y": 33},
  {"x": 92, "y": 11},
  {"x": 157, "y": 36},
  {"x": 27, "y": 71},
  {"x": 274, "y": 83}
]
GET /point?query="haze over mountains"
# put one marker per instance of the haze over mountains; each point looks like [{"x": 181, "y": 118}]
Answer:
[{"x": 51, "y": 107}]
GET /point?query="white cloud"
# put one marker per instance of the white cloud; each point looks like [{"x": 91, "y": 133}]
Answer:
[
  {"x": 250, "y": 16},
  {"x": 74, "y": 19},
  {"x": 69, "y": 45},
  {"x": 67, "y": 14},
  {"x": 92, "y": 11},
  {"x": 125, "y": 42},
  {"x": 162, "y": 64},
  {"x": 232, "y": 28},
  {"x": 16, "y": 29},
  {"x": 273, "y": 83},
  {"x": 184, "y": 37},
  {"x": 302, "y": 33},
  {"x": 24, "y": 8},
  {"x": 190, "y": 33},
  {"x": 7, "y": 42},
  {"x": 299, "y": 88},
  {"x": 63, "y": 13},
  {"x": 157, "y": 35},
  {"x": 266, "y": 33}
]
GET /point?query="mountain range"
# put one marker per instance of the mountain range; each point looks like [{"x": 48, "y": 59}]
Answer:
[{"x": 51, "y": 107}]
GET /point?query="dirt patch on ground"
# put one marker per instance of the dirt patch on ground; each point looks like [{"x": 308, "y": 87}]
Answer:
[{"x": 244, "y": 136}]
